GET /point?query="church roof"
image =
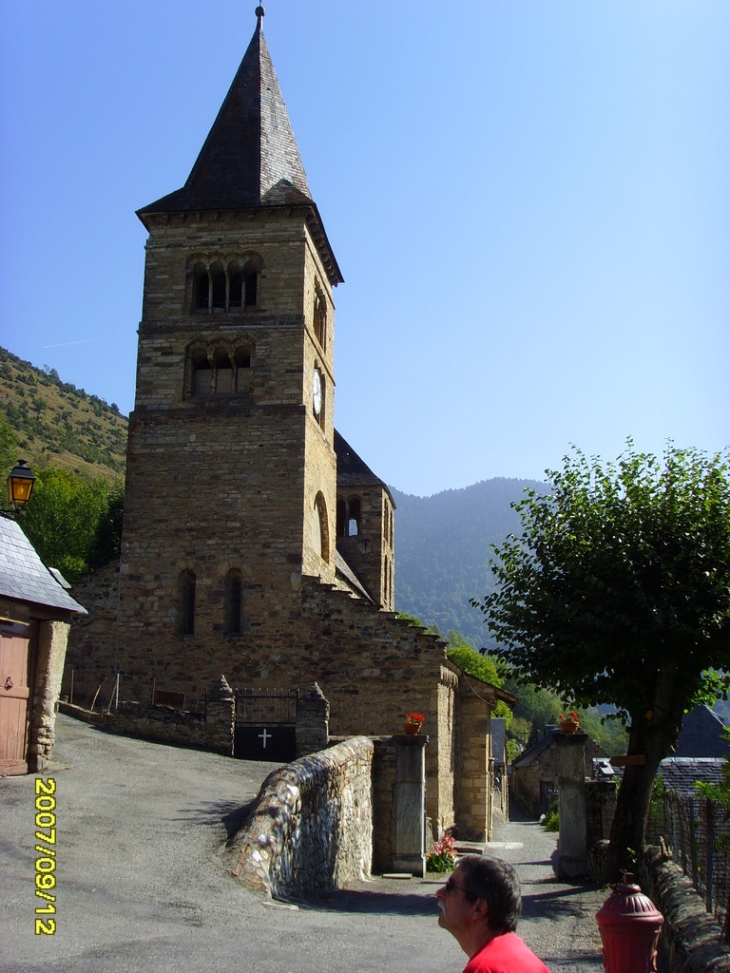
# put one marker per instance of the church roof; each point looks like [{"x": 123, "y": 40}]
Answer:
[
  {"x": 250, "y": 157},
  {"x": 351, "y": 469},
  {"x": 346, "y": 571}
]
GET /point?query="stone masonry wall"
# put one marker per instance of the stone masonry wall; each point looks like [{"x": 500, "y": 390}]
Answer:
[
  {"x": 474, "y": 794},
  {"x": 311, "y": 826},
  {"x": 212, "y": 730},
  {"x": 690, "y": 941},
  {"x": 525, "y": 780},
  {"x": 384, "y": 776},
  {"x": 442, "y": 753},
  {"x": 369, "y": 551},
  {"x": 371, "y": 666},
  {"x": 258, "y": 455}
]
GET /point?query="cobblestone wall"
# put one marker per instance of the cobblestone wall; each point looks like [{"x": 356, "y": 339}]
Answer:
[
  {"x": 691, "y": 940},
  {"x": 311, "y": 825}
]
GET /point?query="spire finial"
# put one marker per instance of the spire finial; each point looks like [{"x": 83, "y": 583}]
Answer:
[{"x": 260, "y": 14}]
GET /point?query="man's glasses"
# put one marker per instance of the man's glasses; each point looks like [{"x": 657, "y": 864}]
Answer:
[{"x": 451, "y": 885}]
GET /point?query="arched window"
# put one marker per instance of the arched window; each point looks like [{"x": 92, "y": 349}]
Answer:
[
  {"x": 223, "y": 372},
  {"x": 218, "y": 287},
  {"x": 223, "y": 284},
  {"x": 341, "y": 518},
  {"x": 353, "y": 517},
  {"x": 202, "y": 374},
  {"x": 201, "y": 285},
  {"x": 233, "y": 603},
  {"x": 235, "y": 285},
  {"x": 320, "y": 535},
  {"x": 186, "y": 599},
  {"x": 320, "y": 317},
  {"x": 242, "y": 362}
]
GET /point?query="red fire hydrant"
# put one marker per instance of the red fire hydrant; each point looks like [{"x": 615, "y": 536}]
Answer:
[{"x": 630, "y": 926}]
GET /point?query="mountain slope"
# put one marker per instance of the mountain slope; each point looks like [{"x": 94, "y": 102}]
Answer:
[
  {"x": 58, "y": 424},
  {"x": 443, "y": 549}
]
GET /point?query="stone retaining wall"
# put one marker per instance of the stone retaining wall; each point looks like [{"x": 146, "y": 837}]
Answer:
[
  {"x": 691, "y": 941},
  {"x": 310, "y": 828},
  {"x": 212, "y": 730}
]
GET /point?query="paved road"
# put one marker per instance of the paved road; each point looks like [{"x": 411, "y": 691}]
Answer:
[{"x": 141, "y": 888}]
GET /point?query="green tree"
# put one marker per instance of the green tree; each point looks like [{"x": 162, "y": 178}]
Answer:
[
  {"x": 482, "y": 667},
  {"x": 67, "y": 521},
  {"x": 8, "y": 447},
  {"x": 618, "y": 592},
  {"x": 107, "y": 543}
]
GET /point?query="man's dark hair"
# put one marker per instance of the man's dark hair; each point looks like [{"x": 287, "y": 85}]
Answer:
[{"x": 496, "y": 882}]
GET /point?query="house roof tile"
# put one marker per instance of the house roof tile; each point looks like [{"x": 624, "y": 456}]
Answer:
[{"x": 24, "y": 577}]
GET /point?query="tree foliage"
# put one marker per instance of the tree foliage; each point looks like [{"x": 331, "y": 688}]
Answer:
[
  {"x": 74, "y": 523},
  {"x": 618, "y": 591},
  {"x": 8, "y": 452}
]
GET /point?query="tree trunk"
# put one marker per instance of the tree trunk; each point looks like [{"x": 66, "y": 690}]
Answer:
[{"x": 628, "y": 829}]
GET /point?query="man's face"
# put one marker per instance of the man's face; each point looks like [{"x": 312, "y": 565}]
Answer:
[{"x": 457, "y": 911}]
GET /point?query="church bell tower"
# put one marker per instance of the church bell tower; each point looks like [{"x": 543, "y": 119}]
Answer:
[{"x": 231, "y": 471}]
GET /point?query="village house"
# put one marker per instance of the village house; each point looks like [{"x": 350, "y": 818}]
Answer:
[{"x": 35, "y": 617}]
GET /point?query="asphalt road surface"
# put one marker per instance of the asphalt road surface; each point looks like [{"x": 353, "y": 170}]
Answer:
[{"x": 140, "y": 886}]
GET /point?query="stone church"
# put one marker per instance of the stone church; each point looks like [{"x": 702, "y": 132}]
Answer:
[{"x": 257, "y": 543}]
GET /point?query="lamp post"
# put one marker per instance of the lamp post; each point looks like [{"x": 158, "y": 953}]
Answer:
[{"x": 20, "y": 485}]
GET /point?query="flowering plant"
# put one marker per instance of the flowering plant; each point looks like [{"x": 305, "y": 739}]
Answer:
[
  {"x": 572, "y": 717},
  {"x": 443, "y": 856},
  {"x": 414, "y": 718}
]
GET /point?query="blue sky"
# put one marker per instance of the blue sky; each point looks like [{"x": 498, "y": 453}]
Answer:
[{"x": 529, "y": 202}]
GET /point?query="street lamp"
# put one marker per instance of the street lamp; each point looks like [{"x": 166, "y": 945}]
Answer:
[{"x": 20, "y": 485}]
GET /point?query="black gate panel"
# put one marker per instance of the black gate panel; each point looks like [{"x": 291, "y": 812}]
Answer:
[{"x": 276, "y": 743}]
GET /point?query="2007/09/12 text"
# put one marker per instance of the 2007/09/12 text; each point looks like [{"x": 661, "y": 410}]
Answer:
[{"x": 45, "y": 864}]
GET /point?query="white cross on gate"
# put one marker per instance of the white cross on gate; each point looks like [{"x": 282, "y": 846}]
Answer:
[{"x": 265, "y": 736}]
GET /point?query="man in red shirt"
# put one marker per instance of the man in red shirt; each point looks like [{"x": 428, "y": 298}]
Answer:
[{"x": 480, "y": 906}]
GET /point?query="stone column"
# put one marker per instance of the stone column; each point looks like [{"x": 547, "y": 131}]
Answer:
[
  {"x": 52, "y": 641},
  {"x": 572, "y": 845},
  {"x": 473, "y": 809},
  {"x": 220, "y": 717},
  {"x": 409, "y": 852},
  {"x": 313, "y": 722}
]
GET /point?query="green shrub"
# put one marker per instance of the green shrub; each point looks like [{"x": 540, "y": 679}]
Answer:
[{"x": 552, "y": 818}]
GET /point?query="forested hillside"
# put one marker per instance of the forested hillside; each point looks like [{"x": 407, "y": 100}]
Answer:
[
  {"x": 443, "y": 548},
  {"x": 58, "y": 425}
]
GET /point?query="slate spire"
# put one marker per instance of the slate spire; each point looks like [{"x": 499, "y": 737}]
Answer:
[{"x": 250, "y": 157}]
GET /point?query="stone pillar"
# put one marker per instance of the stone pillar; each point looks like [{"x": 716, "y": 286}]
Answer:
[
  {"x": 220, "y": 717},
  {"x": 313, "y": 722},
  {"x": 572, "y": 844},
  {"x": 52, "y": 641},
  {"x": 409, "y": 851},
  {"x": 474, "y": 799}
]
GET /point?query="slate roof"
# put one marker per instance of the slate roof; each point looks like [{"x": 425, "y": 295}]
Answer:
[
  {"x": 533, "y": 752},
  {"x": 701, "y": 735},
  {"x": 24, "y": 577},
  {"x": 344, "y": 569},
  {"x": 250, "y": 157},
  {"x": 680, "y": 773},
  {"x": 353, "y": 471}
]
